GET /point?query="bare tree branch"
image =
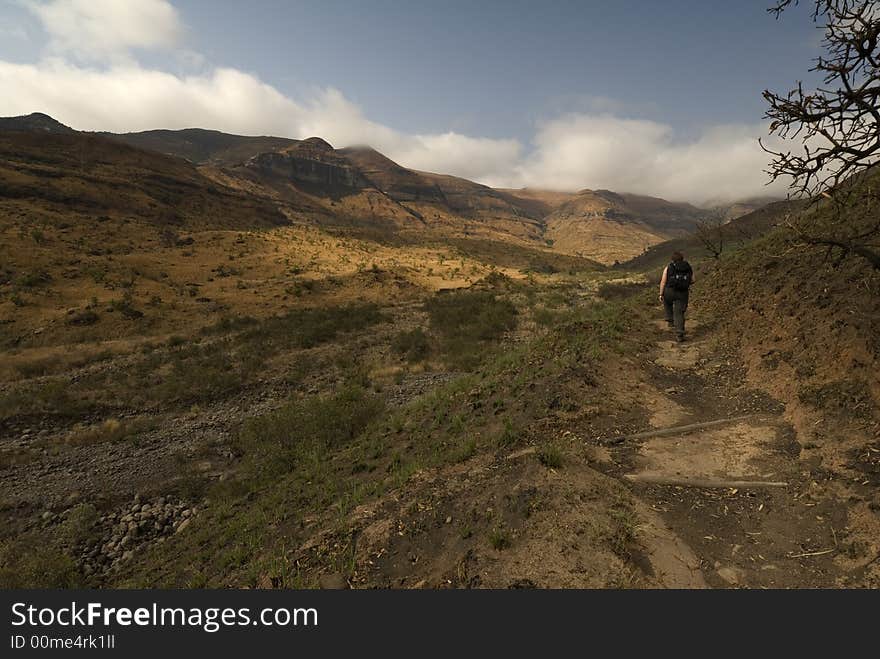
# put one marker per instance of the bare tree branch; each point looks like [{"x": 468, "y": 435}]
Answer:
[{"x": 836, "y": 127}]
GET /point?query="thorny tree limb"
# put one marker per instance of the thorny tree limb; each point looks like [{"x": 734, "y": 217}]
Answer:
[
  {"x": 838, "y": 123},
  {"x": 858, "y": 244},
  {"x": 711, "y": 234}
]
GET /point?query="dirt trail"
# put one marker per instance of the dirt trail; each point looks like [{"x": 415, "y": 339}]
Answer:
[{"x": 724, "y": 475}]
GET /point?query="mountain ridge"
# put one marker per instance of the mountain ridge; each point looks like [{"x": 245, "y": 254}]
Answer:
[{"x": 361, "y": 187}]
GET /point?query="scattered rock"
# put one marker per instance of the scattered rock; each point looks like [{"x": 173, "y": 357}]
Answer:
[{"x": 130, "y": 528}]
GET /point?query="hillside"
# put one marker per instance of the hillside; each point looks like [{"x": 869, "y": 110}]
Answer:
[
  {"x": 316, "y": 368},
  {"x": 729, "y": 235},
  {"x": 202, "y": 147},
  {"x": 358, "y": 187},
  {"x": 57, "y": 175},
  {"x": 610, "y": 227},
  {"x": 36, "y": 122},
  {"x": 808, "y": 321}
]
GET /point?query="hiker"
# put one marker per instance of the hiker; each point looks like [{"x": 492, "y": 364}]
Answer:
[{"x": 674, "y": 284}]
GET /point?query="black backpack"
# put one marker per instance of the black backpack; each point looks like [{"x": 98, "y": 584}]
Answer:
[{"x": 678, "y": 275}]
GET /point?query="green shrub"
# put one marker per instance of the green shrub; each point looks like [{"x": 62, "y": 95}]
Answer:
[
  {"x": 304, "y": 430},
  {"x": 550, "y": 456},
  {"x": 34, "y": 278},
  {"x": 499, "y": 538},
  {"x": 468, "y": 320},
  {"x": 413, "y": 345},
  {"x": 37, "y": 565}
]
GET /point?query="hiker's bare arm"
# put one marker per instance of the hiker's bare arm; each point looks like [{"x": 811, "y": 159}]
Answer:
[{"x": 662, "y": 283}]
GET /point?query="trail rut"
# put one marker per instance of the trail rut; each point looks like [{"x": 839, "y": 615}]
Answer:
[{"x": 738, "y": 506}]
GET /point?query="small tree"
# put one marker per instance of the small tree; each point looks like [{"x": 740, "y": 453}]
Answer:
[
  {"x": 710, "y": 232},
  {"x": 838, "y": 123}
]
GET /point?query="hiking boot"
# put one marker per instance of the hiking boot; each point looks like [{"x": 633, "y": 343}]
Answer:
[{"x": 680, "y": 338}]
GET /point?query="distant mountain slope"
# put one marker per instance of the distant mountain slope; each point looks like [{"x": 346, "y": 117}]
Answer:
[
  {"x": 36, "y": 122},
  {"x": 399, "y": 183},
  {"x": 608, "y": 227},
  {"x": 310, "y": 181},
  {"x": 539, "y": 202},
  {"x": 68, "y": 174},
  {"x": 732, "y": 210},
  {"x": 321, "y": 184},
  {"x": 734, "y": 233},
  {"x": 202, "y": 146}
]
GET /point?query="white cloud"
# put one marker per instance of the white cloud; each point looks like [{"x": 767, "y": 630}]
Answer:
[
  {"x": 104, "y": 88},
  {"x": 641, "y": 156},
  {"x": 128, "y": 97},
  {"x": 96, "y": 29}
]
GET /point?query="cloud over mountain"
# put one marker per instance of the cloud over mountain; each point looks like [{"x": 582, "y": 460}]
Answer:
[{"x": 91, "y": 80}]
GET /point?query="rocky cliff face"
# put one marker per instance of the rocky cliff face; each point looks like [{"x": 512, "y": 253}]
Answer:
[
  {"x": 312, "y": 161},
  {"x": 399, "y": 183}
]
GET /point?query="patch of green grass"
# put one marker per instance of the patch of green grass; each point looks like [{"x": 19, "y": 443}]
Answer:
[
  {"x": 34, "y": 562},
  {"x": 618, "y": 290},
  {"x": 464, "y": 451},
  {"x": 467, "y": 321},
  {"x": 551, "y": 456},
  {"x": 509, "y": 435},
  {"x": 500, "y": 538},
  {"x": 548, "y": 317},
  {"x": 306, "y": 328},
  {"x": 622, "y": 534},
  {"x": 413, "y": 345},
  {"x": 304, "y": 431},
  {"x": 49, "y": 397}
]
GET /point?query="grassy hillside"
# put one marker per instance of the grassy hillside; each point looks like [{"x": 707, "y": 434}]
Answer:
[
  {"x": 204, "y": 147},
  {"x": 611, "y": 227},
  {"x": 808, "y": 326},
  {"x": 731, "y": 236},
  {"x": 46, "y": 176}
]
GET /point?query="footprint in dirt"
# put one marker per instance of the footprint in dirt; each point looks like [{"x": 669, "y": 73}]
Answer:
[{"x": 680, "y": 355}]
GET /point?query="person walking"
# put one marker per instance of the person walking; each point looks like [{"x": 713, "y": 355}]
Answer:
[{"x": 675, "y": 283}]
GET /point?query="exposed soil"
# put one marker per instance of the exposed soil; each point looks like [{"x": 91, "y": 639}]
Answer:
[{"x": 740, "y": 494}]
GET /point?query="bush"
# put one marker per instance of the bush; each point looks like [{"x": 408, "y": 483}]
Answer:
[
  {"x": 466, "y": 321},
  {"x": 34, "y": 278},
  {"x": 306, "y": 328},
  {"x": 412, "y": 345},
  {"x": 499, "y": 538},
  {"x": 304, "y": 429},
  {"x": 550, "y": 456}
]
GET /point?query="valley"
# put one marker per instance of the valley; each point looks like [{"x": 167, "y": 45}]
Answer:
[{"x": 256, "y": 362}]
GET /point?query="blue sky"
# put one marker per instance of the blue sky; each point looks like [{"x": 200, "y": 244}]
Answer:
[{"x": 642, "y": 95}]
